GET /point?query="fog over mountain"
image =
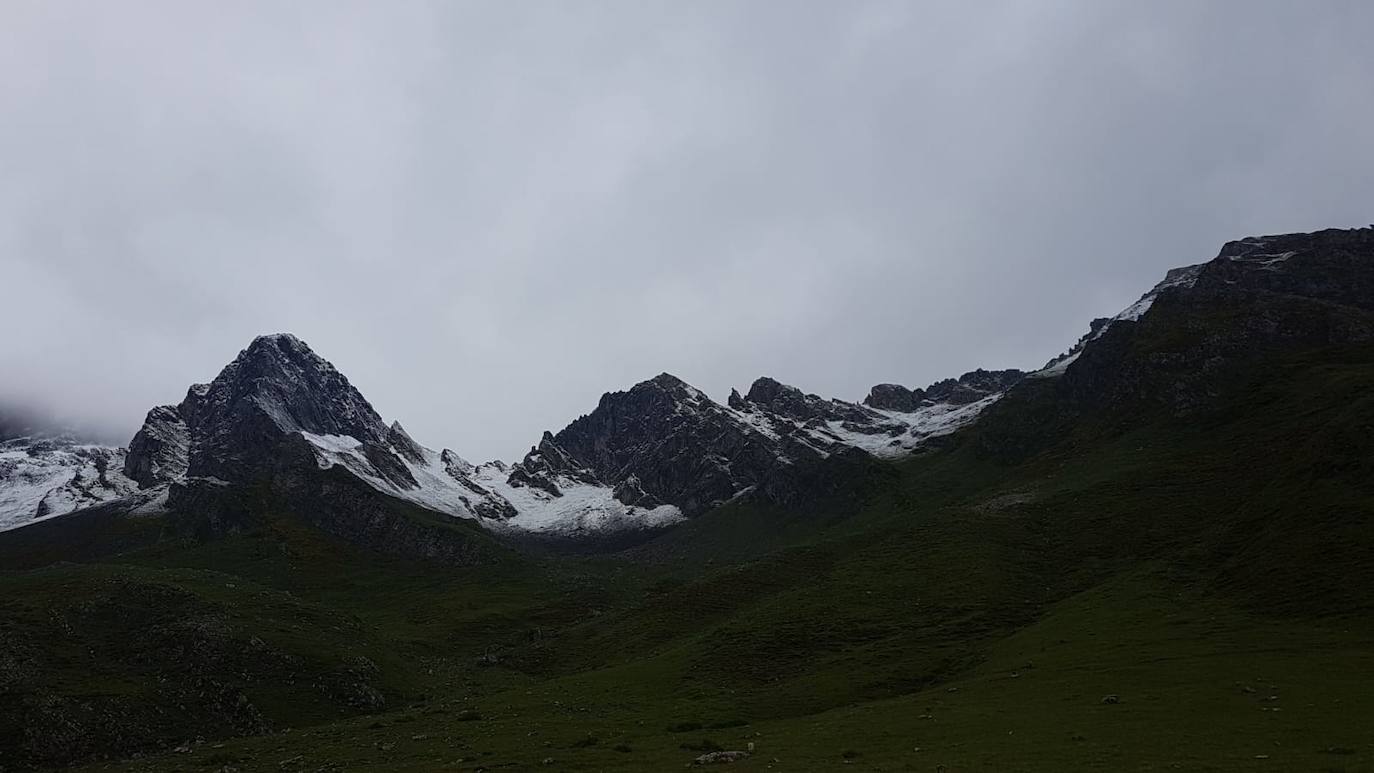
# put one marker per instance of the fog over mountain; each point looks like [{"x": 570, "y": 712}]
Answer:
[{"x": 488, "y": 214}]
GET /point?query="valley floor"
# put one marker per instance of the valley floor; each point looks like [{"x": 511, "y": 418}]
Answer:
[{"x": 1198, "y": 686}]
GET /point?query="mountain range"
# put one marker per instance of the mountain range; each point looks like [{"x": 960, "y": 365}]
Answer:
[
  {"x": 642, "y": 459},
  {"x": 1153, "y": 552}
]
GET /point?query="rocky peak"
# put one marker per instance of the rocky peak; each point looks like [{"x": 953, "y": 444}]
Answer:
[
  {"x": 545, "y": 464},
  {"x": 227, "y": 429},
  {"x": 790, "y": 402},
  {"x": 404, "y": 444},
  {"x": 666, "y": 386},
  {"x": 894, "y": 397},
  {"x": 780, "y": 398},
  {"x": 683, "y": 448},
  {"x": 968, "y": 388},
  {"x": 972, "y": 386},
  {"x": 297, "y": 388},
  {"x": 736, "y": 401},
  {"x": 277, "y": 386},
  {"x": 160, "y": 450}
]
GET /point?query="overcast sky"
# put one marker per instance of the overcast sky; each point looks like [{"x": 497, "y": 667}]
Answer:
[{"x": 487, "y": 214}]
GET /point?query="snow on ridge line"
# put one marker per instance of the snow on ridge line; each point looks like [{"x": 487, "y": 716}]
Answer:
[
  {"x": 582, "y": 507},
  {"x": 437, "y": 490},
  {"x": 1186, "y": 276},
  {"x": 903, "y": 433}
]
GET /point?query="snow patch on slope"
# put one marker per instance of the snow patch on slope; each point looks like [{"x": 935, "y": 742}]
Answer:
[
  {"x": 448, "y": 484},
  {"x": 583, "y": 507},
  {"x": 437, "y": 490},
  {"x": 892, "y": 434},
  {"x": 41, "y": 479}
]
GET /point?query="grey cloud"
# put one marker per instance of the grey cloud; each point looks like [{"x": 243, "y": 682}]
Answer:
[{"x": 489, "y": 213}]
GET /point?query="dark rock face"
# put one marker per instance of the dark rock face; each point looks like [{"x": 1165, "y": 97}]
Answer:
[
  {"x": 1333, "y": 265},
  {"x": 388, "y": 465},
  {"x": 972, "y": 386},
  {"x": 160, "y": 450},
  {"x": 894, "y": 397},
  {"x": 404, "y": 444},
  {"x": 1260, "y": 296},
  {"x": 275, "y": 387},
  {"x": 547, "y": 462},
  {"x": 681, "y": 447},
  {"x": 968, "y": 388},
  {"x": 664, "y": 442},
  {"x": 630, "y": 492},
  {"x": 736, "y": 401},
  {"x": 228, "y": 429},
  {"x": 792, "y": 403}
]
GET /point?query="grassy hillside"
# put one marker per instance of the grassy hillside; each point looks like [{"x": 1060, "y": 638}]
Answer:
[{"x": 965, "y": 609}]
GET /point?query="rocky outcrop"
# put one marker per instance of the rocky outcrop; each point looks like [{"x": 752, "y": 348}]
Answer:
[
  {"x": 404, "y": 444},
  {"x": 792, "y": 403},
  {"x": 895, "y": 397},
  {"x": 972, "y": 386},
  {"x": 160, "y": 450},
  {"x": 968, "y": 388},
  {"x": 630, "y": 492}
]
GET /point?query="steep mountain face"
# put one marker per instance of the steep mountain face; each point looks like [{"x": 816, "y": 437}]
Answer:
[
  {"x": 1179, "y": 344},
  {"x": 161, "y": 449},
  {"x": 275, "y": 399},
  {"x": 668, "y": 440},
  {"x": 227, "y": 429}
]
